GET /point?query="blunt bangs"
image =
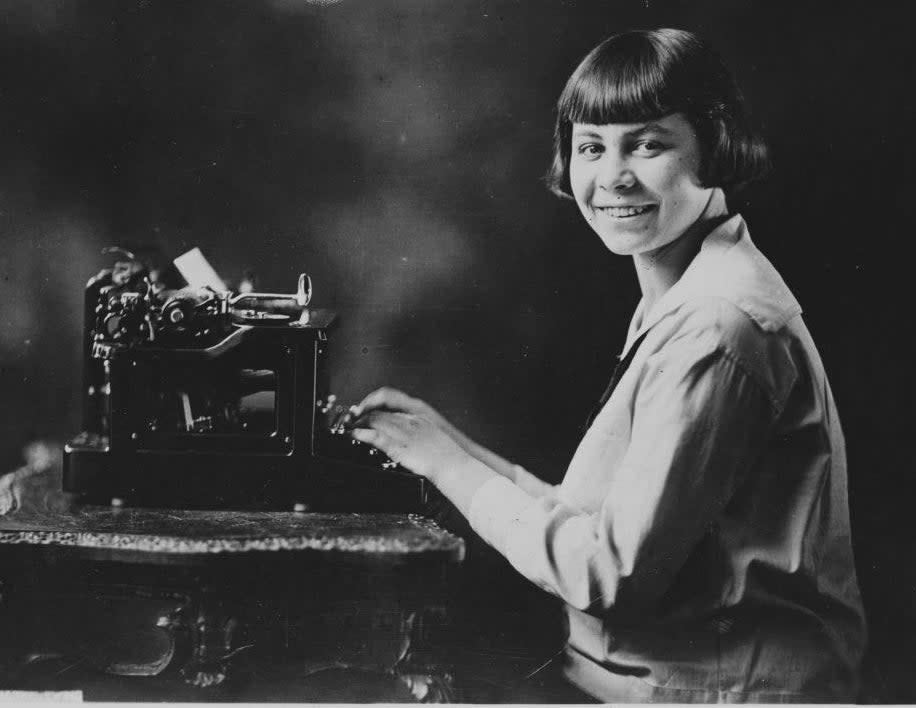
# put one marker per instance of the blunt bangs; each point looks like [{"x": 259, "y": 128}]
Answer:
[
  {"x": 625, "y": 85},
  {"x": 641, "y": 76}
]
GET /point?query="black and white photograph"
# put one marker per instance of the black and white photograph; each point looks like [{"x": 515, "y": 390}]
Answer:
[{"x": 470, "y": 351}]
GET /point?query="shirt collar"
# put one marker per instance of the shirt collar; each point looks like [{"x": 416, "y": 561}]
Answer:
[{"x": 728, "y": 266}]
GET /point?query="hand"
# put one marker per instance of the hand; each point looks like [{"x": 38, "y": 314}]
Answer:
[
  {"x": 390, "y": 399},
  {"x": 411, "y": 440}
]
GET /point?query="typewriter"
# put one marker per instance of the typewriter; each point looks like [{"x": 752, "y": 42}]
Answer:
[{"x": 202, "y": 397}]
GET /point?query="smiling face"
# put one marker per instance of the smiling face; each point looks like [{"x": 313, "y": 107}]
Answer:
[{"x": 637, "y": 184}]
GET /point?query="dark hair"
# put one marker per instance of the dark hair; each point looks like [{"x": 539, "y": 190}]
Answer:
[{"x": 644, "y": 75}]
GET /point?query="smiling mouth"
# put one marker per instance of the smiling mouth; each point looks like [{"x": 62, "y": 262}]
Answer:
[{"x": 624, "y": 212}]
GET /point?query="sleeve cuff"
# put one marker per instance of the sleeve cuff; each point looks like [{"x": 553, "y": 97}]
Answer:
[{"x": 497, "y": 509}]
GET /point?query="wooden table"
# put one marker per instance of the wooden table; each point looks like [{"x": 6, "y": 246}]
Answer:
[{"x": 144, "y": 604}]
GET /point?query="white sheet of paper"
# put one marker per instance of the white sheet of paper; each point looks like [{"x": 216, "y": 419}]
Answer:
[{"x": 197, "y": 270}]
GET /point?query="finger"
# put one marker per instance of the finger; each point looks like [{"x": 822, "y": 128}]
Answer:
[
  {"x": 397, "y": 426},
  {"x": 339, "y": 419},
  {"x": 384, "y": 399},
  {"x": 379, "y": 440},
  {"x": 381, "y": 399}
]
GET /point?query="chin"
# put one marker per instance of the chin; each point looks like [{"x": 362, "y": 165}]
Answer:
[{"x": 624, "y": 244}]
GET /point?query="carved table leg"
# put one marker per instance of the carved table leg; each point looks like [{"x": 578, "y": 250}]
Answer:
[
  {"x": 422, "y": 669},
  {"x": 214, "y": 632}
]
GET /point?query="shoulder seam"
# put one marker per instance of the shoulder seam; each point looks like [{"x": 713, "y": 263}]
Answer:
[
  {"x": 716, "y": 344},
  {"x": 776, "y": 323}
]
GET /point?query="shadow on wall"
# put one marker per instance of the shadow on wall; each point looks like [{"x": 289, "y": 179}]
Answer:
[{"x": 393, "y": 150}]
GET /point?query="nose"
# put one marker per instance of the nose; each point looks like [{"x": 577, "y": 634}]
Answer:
[{"x": 616, "y": 175}]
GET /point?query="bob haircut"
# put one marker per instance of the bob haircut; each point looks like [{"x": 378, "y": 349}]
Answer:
[{"x": 644, "y": 75}]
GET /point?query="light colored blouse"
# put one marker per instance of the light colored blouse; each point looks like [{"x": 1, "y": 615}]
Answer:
[{"x": 700, "y": 537}]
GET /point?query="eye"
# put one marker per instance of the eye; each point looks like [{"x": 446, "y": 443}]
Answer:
[
  {"x": 589, "y": 150},
  {"x": 648, "y": 148}
]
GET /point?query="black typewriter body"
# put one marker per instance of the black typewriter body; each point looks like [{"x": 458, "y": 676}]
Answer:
[{"x": 194, "y": 398}]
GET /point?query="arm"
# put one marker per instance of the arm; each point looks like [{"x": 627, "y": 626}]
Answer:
[
  {"x": 699, "y": 422},
  {"x": 528, "y": 482}
]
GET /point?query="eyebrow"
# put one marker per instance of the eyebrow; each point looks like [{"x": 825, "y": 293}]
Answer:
[{"x": 650, "y": 127}]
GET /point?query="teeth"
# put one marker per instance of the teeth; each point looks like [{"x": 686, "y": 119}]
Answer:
[{"x": 625, "y": 211}]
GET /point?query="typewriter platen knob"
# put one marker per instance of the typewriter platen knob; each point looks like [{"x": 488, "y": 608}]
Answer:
[
  {"x": 304, "y": 290},
  {"x": 179, "y": 309}
]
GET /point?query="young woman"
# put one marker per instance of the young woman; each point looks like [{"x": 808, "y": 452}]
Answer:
[{"x": 700, "y": 537}]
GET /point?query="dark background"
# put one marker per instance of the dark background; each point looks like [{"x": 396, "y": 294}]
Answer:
[{"x": 394, "y": 149}]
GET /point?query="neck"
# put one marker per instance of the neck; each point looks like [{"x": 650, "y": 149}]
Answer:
[{"x": 660, "y": 269}]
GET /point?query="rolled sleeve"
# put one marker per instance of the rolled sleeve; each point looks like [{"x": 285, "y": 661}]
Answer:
[{"x": 497, "y": 510}]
